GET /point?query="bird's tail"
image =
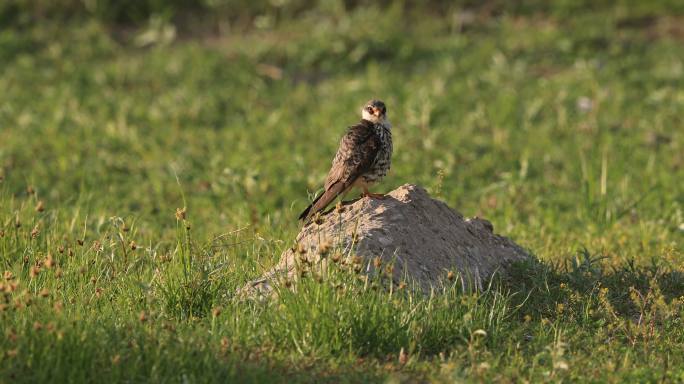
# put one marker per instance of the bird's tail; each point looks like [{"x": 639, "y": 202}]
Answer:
[
  {"x": 305, "y": 215},
  {"x": 320, "y": 203}
]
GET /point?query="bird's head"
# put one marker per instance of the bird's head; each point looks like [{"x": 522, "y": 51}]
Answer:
[{"x": 374, "y": 111}]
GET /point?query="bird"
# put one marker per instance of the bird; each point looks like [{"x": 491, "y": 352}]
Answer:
[{"x": 362, "y": 159}]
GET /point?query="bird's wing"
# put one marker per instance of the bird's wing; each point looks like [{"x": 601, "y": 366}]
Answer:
[
  {"x": 355, "y": 155},
  {"x": 358, "y": 149}
]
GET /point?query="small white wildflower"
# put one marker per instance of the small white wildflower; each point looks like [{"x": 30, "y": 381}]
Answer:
[{"x": 584, "y": 104}]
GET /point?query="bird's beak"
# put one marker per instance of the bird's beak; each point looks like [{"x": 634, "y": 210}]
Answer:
[{"x": 376, "y": 111}]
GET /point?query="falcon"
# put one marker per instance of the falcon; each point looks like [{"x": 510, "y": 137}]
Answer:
[{"x": 363, "y": 158}]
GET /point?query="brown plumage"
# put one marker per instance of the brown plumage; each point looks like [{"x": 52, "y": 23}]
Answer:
[{"x": 362, "y": 158}]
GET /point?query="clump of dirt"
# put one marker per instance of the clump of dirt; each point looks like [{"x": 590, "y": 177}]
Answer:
[{"x": 425, "y": 240}]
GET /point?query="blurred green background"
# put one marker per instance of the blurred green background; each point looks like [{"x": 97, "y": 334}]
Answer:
[
  {"x": 559, "y": 121},
  {"x": 544, "y": 116}
]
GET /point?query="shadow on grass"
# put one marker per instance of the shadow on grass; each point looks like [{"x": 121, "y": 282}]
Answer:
[
  {"x": 626, "y": 288},
  {"x": 136, "y": 353}
]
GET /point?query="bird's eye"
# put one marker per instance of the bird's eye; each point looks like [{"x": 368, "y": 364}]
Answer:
[{"x": 369, "y": 109}]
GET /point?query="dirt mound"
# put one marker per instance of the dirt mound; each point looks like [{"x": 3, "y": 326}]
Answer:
[{"x": 423, "y": 238}]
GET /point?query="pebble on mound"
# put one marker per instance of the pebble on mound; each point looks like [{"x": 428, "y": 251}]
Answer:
[{"x": 421, "y": 236}]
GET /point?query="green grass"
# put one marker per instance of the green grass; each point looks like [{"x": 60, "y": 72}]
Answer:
[{"x": 565, "y": 132}]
